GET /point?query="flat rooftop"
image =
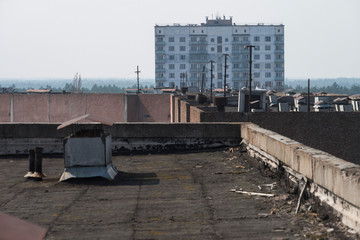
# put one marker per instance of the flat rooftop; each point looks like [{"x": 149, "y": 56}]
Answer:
[{"x": 173, "y": 196}]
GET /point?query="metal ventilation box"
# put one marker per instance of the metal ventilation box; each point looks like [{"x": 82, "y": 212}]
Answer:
[{"x": 87, "y": 153}]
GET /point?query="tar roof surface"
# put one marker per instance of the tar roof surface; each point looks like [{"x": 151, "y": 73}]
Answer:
[{"x": 174, "y": 196}]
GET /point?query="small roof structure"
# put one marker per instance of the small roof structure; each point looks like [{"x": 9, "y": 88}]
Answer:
[
  {"x": 86, "y": 116},
  {"x": 38, "y": 90}
]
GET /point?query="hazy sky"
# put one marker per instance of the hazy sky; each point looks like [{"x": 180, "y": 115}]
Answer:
[{"x": 109, "y": 38}]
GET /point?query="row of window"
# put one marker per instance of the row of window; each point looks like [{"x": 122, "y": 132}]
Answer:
[
  {"x": 219, "y": 39},
  {"x": 236, "y": 75},
  {"x": 219, "y": 48},
  {"x": 198, "y": 66},
  {"x": 236, "y": 84}
]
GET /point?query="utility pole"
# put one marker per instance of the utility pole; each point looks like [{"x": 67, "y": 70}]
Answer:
[
  {"x": 226, "y": 55},
  {"x": 203, "y": 79},
  {"x": 137, "y": 73},
  {"x": 308, "y": 98},
  {"x": 211, "y": 80},
  {"x": 250, "y": 77}
]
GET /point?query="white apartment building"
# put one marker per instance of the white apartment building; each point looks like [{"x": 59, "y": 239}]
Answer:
[{"x": 181, "y": 52}]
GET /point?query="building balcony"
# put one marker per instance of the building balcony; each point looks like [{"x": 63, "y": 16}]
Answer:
[
  {"x": 244, "y": 51},
  {"x": 279, "y": 42},
  {"x": 159, "y": 51},
  {"x": 198, "y": 51},
  {"x": 240, "y": 60},
  {"x": 240, "y": 69},
  {"x": 160, "y": 61},
  {"x": 198, "y": 43},
  {"x": 160, "y": 79},
  {"x": 279, "y": 60},
  {"x": 279, "y": 51},
  {"x": 160, "y": 70},
  {"x": 279, "y": 79},
  {"x": 279, "y": 69},
  {"x": 160, "y": 43},
  {"x": 241, "y": 42}
]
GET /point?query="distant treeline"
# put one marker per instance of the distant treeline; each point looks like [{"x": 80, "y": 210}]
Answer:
[
  {"x": 94, "y": 89},
  {"x": 334, "y": 88},
  {"x": 112, "y": 88}
]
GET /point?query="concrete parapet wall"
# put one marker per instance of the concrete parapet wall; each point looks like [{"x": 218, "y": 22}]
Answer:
[
  {"x": 17, "y": 138},
  {"x": 339, "y": 179}
]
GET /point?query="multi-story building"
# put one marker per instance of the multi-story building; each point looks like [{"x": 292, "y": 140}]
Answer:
[{"x": 182, "y": 52}]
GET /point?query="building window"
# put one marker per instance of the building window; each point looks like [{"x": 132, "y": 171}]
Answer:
[
  {"x": 159, "y": 75},
  {"x": 278, "y": 84},
  {"x": 212, "y": 49},
  {"x": 226, "y": 39},
  {"x": 159, "y": 48},
  {"x": 268, "y": 84},
  {"x": 193, "y": 39},
  {"x": 279, "y": 56},
  {"x": 257, "y": 56},
  {"x": 267, "y": 48},
  {"x": 236, "y": 39},
  {"x": 279, "y": 65},
  {"x": 202, "y": 39},
  {"x": 219, "y": 84},
  {"x": 182, "y": 39},
  {"x": 236, "y": 65},
  {"x": 279, "y": 47},
  {"x": 219, "y": 76},
  {"x": 171, "y": 57},
  {"x": 160, "y": 84},
  {"x": 257, "y": 65},
  {"x": 171, "y": 48},
  {"x": 171, "y": 75},
  {"x": 159, "y": 57},
  {"x": 159, "y": 31},
  {"x": 159, "y": 39},
  {"x": 257, "y": 75},
  {"x": 212, "y": 40},
  {"x": 256, "y": 39},
  {"x": 267, "y": 39},
  {"x": 171, "y": 39},
  {"x": 245, "y": 39},
  {"x": 171, "y": 66},
  {"x": 257, "y": 48},
  {"x": 236, "y": 84},
  {"x": 219, "y": 39},
  {"x": 182, "y": 66},
  {"x": 279, "y": 38},
  {"x": 279, "y": 74},
  {"x": 182, "y": 48},
  {"x": 268, "y": 74},
  {"x": 268, "y": 56},
  {"x": 226, "y": 49},
  {"x": 159, "y": 66},
  {"x": 236, "y": 75},
  {"x": 267, "y": 65},
  {"x": 182, "y": 57}
]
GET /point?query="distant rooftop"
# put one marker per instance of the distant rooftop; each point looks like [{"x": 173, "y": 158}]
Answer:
[{"x": 218, "y": 21}]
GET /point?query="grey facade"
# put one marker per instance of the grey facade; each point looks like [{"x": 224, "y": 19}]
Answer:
[{"x": 181, "y": 52}]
